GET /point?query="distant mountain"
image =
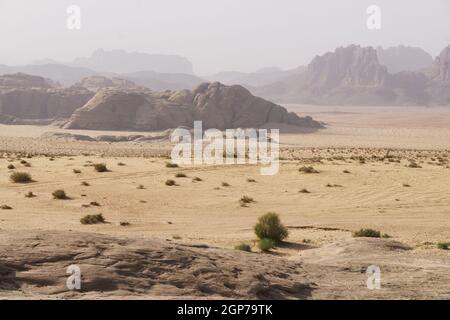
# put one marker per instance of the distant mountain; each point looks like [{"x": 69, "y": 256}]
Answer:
[
  {"x": 259, "y": 78},
  {"x": 65, "y": 75},
  {"x": 350, "y": 75},
  {"x": 403, "y": 58},
  {"x": 119, "y": 61},
  {"x": 163, "y": 81}
]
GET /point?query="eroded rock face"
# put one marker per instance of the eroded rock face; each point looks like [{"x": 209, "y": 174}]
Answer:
[
  {"x": 217, "y": 105},
  {"x": 404, "y": 58},
  {"x": 354, "y": 76},
  {"x": 31, "y": 97},
  {"x": 95, "y": 83}
]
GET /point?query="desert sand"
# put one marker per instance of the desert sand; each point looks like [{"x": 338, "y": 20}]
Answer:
[{"x": 364, "y": 180}]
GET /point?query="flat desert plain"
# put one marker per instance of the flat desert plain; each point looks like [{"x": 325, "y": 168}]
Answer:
[{"x": 386, "y": 169}]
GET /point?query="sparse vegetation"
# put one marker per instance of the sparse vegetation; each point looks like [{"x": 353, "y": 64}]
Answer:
[
  {"x": 100, "y": 167},
  {"x": 196, "y": 179},
  {"x": 304, "y": 191},
  {"x": 171, "y": 183},
  {"x": 180, "y": 175},
  {"x": 85, "y": 184},
  {"x": 76, "y": 171},
  {"x": 243, "y": 247},
  {"x": 443, "y": 245},
  {"x": 251, "y": 180},
  {"x": 121, "y": 164},
  {"x": 140, "y": 187},
  {"x": 5, "y": 207},
  {"x": 92, "y": 219},
  {"x": 367, "y": 233},
  {"x": 225, "y": 184},
  {"x": 30, "y": 194},
  {"x": 245, "y": 200},
  {"x": 270, "y": 227},
  {"x": 11, "y": 167},
  {"x": 266, "y": 244},
  {"x": 60, "y": 195},
  {"x": 309, "y": 169},
  {"x": 171, "y": 165},
  {"x": 124, "y": 224},
  {"x": 21, "y": 177}
]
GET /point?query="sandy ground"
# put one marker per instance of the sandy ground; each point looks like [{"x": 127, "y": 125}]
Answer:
[{"x": 364, "y": 181}]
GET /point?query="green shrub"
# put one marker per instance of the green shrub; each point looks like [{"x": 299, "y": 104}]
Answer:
[
  {"x": 243, "y": 247},
  {"x": 92, "y": 219},
  {"x": 368, "y": 233},
  {"x": 100, "y": 167},
  {"x": 21, "y": 177},
  {"x": 270, "y": 227},
  {"x": 443, "y": 245},
  {"x": 266, "y": 244}
]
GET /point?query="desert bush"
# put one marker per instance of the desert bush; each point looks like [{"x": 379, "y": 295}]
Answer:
[
  {"x": 100, "y": 167},
  {"x": 180, "y": 175},
  {"x": 76, "y": 171},
  {"x": 124, "y": 224},
  {"x": 92, "y": 219},
  {"x": 225, "y": 184},
  {"x": 5, "y": 207},
  {"x": 266, "y": 244},
  {"x": 304, "y": 191},
  {"x": 251, "y": 180},
  {"x": 414, "y": 165},
  {"x": 270, "y": 227},
  {"x": 85, "y": 184},
  {"x": 443, "y": 245},
  {"x": 368, "y": 233},
  {"x": 309, "y": 169},
  {"x": 121, "y": 164},
  {"x": 246, "y": 200},
  {"x": 196, "y": 179},
  {"x": 243, "y": 247},
  {"x": 171, "y": 183},
  {"x": 21, "y": 177},
  {"x": 95, "y": 204},
  {"x": 140, "y": 187},
  {"x": 346, "y": 171},
  {"x": 171, "y": 165},
  {"x": 406, "y": 185},
  {"x": 59, "y": 194},
  {"x": 11, "y": 167},
  {"x": 30, "y": 194}
]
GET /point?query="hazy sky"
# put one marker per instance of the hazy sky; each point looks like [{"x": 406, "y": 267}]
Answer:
[{"x": 215, "y": 35}]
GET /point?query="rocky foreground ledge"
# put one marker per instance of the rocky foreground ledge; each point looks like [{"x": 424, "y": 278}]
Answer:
[{"x": 33, "y": 266}]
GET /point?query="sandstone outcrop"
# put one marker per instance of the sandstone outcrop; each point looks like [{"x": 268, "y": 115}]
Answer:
[
  {"x": 32, "y": 97},
  {"x": 354, "y": 76},
  {"x": 217, "y": 105}
]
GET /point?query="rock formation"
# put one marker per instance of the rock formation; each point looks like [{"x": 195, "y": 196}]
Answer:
[
  {"x": 217, "y": 105},
  {"x": 404, "y": 58},
  {"x": 354, "y": 76},
  {"x": 95, "y": 83},
  {"x": 31, "y": 97}
]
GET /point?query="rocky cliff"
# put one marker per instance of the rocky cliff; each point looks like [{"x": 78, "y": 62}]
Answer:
[
  {"x": 217, "y": 105},
  {"x": 30, "y": 97},
  {"x": 354, "y": 76}
]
